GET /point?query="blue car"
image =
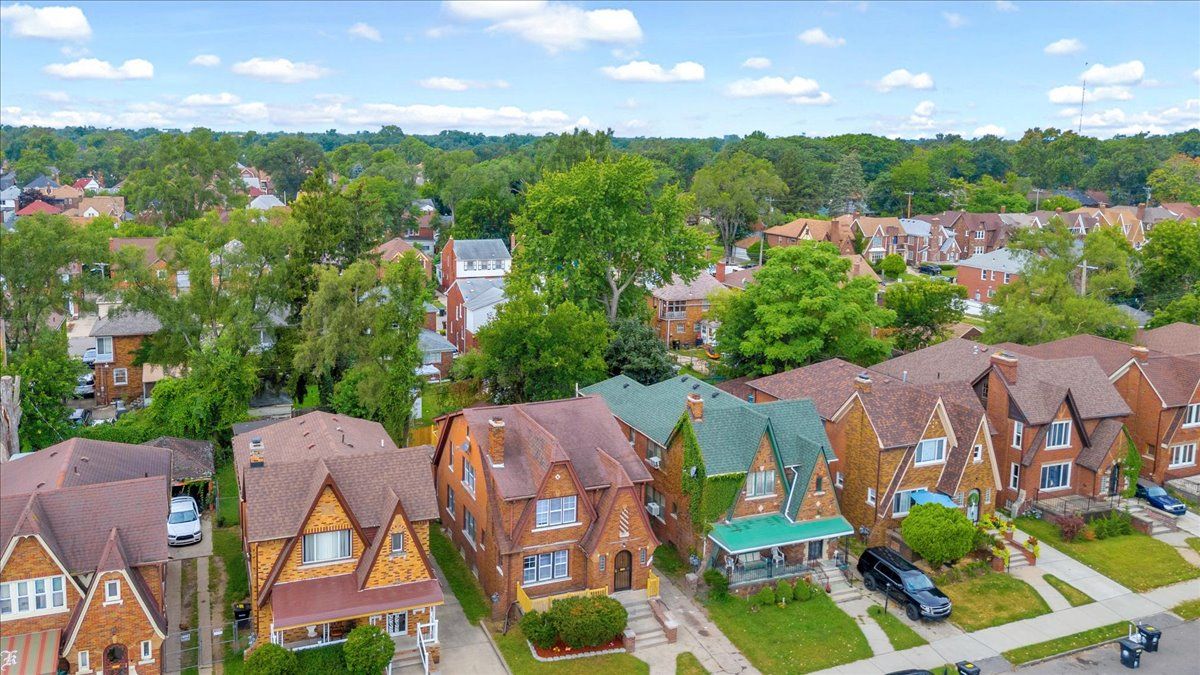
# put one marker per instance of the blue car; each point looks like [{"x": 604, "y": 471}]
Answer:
[{"x": 1159, "y": 499}]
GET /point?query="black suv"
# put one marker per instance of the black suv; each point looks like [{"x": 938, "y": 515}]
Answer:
[{"x": 883, "y": 569}]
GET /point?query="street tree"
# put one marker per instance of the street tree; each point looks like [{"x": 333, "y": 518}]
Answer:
[
  {"x": 736, "y": 190},
  {"x": 1176, "y": 180},
  {"x": 1170, "y": 262},
  {"x": 848, "y": 188},
  {"x": 185, "y": 175},
  {"x": 289, "y": 160},
  {"x": 47, "y": 375}
]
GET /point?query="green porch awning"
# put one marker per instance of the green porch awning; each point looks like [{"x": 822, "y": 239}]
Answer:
[{"x": 761, "y": 532}]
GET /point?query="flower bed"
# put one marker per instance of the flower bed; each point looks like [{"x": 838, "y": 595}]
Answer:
[{"x": 561, "y": 651}]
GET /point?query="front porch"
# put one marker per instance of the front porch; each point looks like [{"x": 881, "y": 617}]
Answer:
[
  {"x": 1076, "y": 505},
  {"x": 542, "y": 603},
  {"x": 766, "y": 548}
]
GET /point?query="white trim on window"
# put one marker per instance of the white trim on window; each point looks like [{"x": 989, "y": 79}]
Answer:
[
  {"x": 837, "y": 479},
  {"x": 902, "y": 501},
  {"x": 397, "y": 544},
  {"x": 544, "y": 568},
  {"x": 760, "y": 484},
  {"x": 1058, "y": 435},
  {"x": 1182, "y": 455},
  {"x": 33, "y": 597},
  {"x": 1014, "y": 477},
  {"x": 1191, "y": 416},
  {"x": 147, "y": 652},
  {"x": 871, "y": 496},
  {"x": 120, "y": 377},
  {"x": 930, "y": 451},
  {"x": 1018, "y": 437},
  {"x": 112, "y": 592},
  {"x": 977, "y": 453},
  {"x": 318, "y": 548},
  {"x": 85, "y": 661},
  {"x": 556, "y": 512},
  {"x": 1055, "y": 476}
]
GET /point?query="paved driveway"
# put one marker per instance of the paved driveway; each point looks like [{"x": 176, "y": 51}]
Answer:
[
  {"x": 200, "y": 550},
  {"x": 465, "y": 647}
]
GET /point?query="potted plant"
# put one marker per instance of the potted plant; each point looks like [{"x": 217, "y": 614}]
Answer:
[
  {"x": 1000, "y": 556},
  {"x": 1033, "y": 546}
]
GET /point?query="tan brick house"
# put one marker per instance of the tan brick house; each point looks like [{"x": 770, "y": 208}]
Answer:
[
  {"x": 745, "y": 488},
  {"x": 544, "y": 499},
  {"x": 335, "y": 521},
  {"x": 680, "y": 311},
  {"x": 83, "y": 530},
  {"x": 898, "y": 443}
]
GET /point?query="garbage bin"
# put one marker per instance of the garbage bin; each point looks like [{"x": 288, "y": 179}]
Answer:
[
  {"x": 967, "y": 668},
  {"x": 1150, "y": 637},
  {"x": 1131, "y": 653},
  {"x": 241, "y": 614}
]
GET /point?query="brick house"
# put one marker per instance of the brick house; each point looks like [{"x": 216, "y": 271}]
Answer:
[
  {"x": 473, "y": 259},
  {"x": 983, "y": 274},
  {"x": 83, "y": 526},
  {"x": 437, "y": 354},
  {"x": 680, "y": 311},
  {"x": 1162, "y": 390},
  {"x": 470, "y": 305},
  {"x": 119, "y": 336},
  {"x": 744, "y": 488},
  {"x": 335, "y": 525},
  {"x": 811, "y": 229},
  {"x": 544, "y": 499},
  {"x": 898, "y": 443},
  {"x": 392, "y": 249}
]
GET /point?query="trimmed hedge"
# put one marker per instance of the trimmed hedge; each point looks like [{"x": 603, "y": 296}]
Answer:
[
  {"x": 718, "y": 583},
  {"x": 368, "y": 650},
  {"x": 271, "y": 659},
  {"x": 579, "y": 622}
]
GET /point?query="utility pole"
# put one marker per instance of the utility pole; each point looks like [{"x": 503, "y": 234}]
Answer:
[
  {"x": 1083, "y": 278},
  {"x": 1148, "y": 192},
  {"x": 1082, "y": 99},
  {"x": 1037, "y": 198},
  {"x": 762, "y": 243},
  {"x": 910, "y": 196}
]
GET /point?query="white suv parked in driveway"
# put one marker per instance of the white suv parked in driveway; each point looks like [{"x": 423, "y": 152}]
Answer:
[{"x": 183, "y": 525}]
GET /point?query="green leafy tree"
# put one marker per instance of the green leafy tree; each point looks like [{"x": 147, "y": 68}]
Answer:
[
  {"x": 1186, "y": 309},
  {"x": 559, "y": 153},
  {"x": 799, "y": 309},
  {"x": 893, "y": 265},
  {"x": 991, "y": 196},
  {"x": 889, "y": 193},
  {"x": 33, "y": 258},
  {"x": 1176, "y": 180},
  {"x": 848, "y": 187},
  {"x": 736, "y": 190},
  {"x": 210, "y": 399},
  {"x": 47, "y": 375},
  {"x": 1054, "y": 202},
  {"x": 271, "y": 659},
  {"x": 185, "y": 175},
  {"x": 368, "y": 650},
  {"x": 597, "y": 234},
  {"x": 637, "y": 352},
  {"x": 925, "y": 308},
  {"x": 938, "y": 534},
  {"x": 532, "y": 352},
  {"x": 1170, "y": 262},
  {"x": 30, "y": 165},
  {"x": 289, "y": 160},
  {"x": 1131, "y": 469}
]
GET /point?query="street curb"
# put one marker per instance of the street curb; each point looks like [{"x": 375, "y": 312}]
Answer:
[
  {"x": 1066, "y": 653},
  {"x": 495, "y": 648}
]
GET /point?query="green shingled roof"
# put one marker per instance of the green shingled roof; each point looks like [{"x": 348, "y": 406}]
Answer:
[{"x": 761, "y": 532}]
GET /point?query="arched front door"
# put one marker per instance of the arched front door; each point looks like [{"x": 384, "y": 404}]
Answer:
[
  {"x": 623, "y": 571},
  {"x": 973, "y": 506},
  {"x": 116, "y": 660}
]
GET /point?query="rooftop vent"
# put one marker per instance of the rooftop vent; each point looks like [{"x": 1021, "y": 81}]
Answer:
[{"x": 256, "y": 443}]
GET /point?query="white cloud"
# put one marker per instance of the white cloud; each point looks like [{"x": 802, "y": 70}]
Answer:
[
  {"x": 48, "y": 23},
  {"x": 206, "y": 60},
  {"x": 902, "y": 79},
  {"x": 817, "y": 37},
  {"x": 279, "y": 70},
  {"x": 73, "y": 51},
  {"x": 1070, "y": 94},
  {"x": 773, "y": 86},
  {"x": 95, "y": 69},
  {"x": 1196, "y": 74},
  {"x": 437, "y": 32},
  {"x": 1005, "y": 6},
  {"x": 823, "y": 98},
  {"x": 924, "y": 108},
  {"x": 644, "y": 71},
  {"x": 365, "y": 31},
  {"x": 628, "y": 104},
  {"x": 223, "y": 98},
  {"x": 988, "y": 130},
  {"x": 555, "y": 27},
  {"x": 1168, "y": 120},
  {"x": 1064, "y": 46},
  {"x": 757, "y": 62},
  {"x": 55, "y": 96},
  {"x": 954, "y": 19},
  {"x": 455, "y": 84},
  {"x": 1130, "y": 72},
  {"x": 17, "y": 116},
  {"x": 922, "y": 116}
]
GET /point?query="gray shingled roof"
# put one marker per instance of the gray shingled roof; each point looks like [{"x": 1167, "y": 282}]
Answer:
[
  {"x": 432, "y": 342},
  {"x": 699, "y": 288},
  {"x": 481, "y": 292},
  {"x": 1001, "y": 260},
  {"x": 481, "y": 249},
  {"x": 126, "y": 323}
]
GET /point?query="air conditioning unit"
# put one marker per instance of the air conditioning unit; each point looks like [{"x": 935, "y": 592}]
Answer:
[
  {"x": 653, "y": 508},
  {"x": 655, "y": 462}
]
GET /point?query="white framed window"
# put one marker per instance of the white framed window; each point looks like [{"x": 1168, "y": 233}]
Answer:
[
  {"x": 902, "y": 502},
  {"x": 760, "y": 483},
  {"x": 983, "y": 275},
  {"x": 1059, "y": 435},
  {"x": 1183, "y": 455},
  {"x": 397, "y": 623},
  {"x": 321, "y": 547},
  {"x": 120, "y": 377},
  {"x": 930, "y": 451},
  {"x": 147, "y": 651},
  {"x": 977, "y": 453},
  {"x": 104, "y": 348},
  {"x": 556, "y": 511},
  {"x": 85, "y": 661},
  {"x": 112, "y": 591},
  {"x": 397, "y": 543},
  {"x": 603, "y": 561},
  {"x": 1056, "y": 476},
  {"x": 1014, "y": 477},
  {"x": 987, "y": 496},
  {"x": 491, "y": 264},
  {"x": 450, "y": 500},
  {"x": 837, "y": 479},
  {"x": 979, "y": 234},
  {"x": 871, "y": 496},
  {"x": 468, "y": 525},
  {"x": 44, "y": 595},
  {"x": 654, "y": 450},
  {"x": 545, "y": 567},
  {"x": 1007, "y": 277},
  {"x": 1191, "y": 416},
  {"x": 1018, "y": 439},
  {"x": 659, "y": 500},
  {"x": 978, "y": 250},
  {"x": 468, "y": 479},
  {"x": 183, "y": 280}
]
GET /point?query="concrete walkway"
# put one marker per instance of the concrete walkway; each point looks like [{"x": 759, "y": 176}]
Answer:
[
  {"x": 174, "y": 602},
  {"x": 1033, "y": 577},
  {"x": 465, "y": 648},
  {"x": 880, "y": 644},
  {"x": 1070, "y": 570},
  {"x": 697, "y": 634},
  {"x": 204, "y": 629}
]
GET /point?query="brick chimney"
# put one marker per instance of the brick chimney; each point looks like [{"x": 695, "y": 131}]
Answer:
[
  {"x": 835, "y": 231},
  {"x": 1058, "y": 209},
  {"x": 1007, "y": 365},
  {"x": 1103, "y": 205},
  {"x": 496, "y": 441},
  {"x": 1141, "y": 211},
  {"x": 695, "y": 406},
  {"x": 1003, "y": 208},
  {"x": 1139, "y": 352},
  {"x": 862, "y": 382},
  {"x": 855, "y": 270},
  {"x": 256, "y": 456},
  {"x": 720, "y": 275}
]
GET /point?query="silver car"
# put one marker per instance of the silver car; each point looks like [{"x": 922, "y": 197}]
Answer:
[{"x": 183, "y": 525}]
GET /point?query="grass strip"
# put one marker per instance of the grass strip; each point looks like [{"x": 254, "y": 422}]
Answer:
[
  {"x": 1067, "y": 643},
  {"x": 687, "y": 664},
  {"x": 464, "y": 585},
  {"x": 901, "y": 636},
  {"x": 1187, "y": 610},
  {"x": 1073, "y": 595}
]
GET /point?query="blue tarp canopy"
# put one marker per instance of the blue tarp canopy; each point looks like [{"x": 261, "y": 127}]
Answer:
[{"x": 924, "y": 497}]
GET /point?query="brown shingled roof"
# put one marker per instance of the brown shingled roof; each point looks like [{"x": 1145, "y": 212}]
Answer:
[
  {"x": 83, "y": 461},
  {"x": 1042, "y": 386},
  {"x": 1110, "y": 355},
  {"x": 699, "y": 288},
  {"x": 955, "y": 359},
  {"x": 1177, "y": 338},
  {"x": 828, "y": 383}
]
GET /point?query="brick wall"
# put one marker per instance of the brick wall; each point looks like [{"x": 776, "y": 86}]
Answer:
[
  {"x": 1148, "y": 426},
  {"x": 979, "y": 476},
  {"x": 29, "y": 560},
  {"x": 764, "y": 460},
  {"x": 449, "y": 265},
  {"x": 124, "y": 352},
  {"x": 857, "y": 447},
  {"x": 682, "y": 330},
  {"x": 393, "y": 567},
  {"x": 123, "y": 623},
  {"x": 822, "y": 502},
  {"x": 980, "y": 289}
]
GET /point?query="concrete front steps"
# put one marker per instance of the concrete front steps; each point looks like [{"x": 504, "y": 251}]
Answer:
[
  {"x": 840, "y": 589},
  {"x": 648, "y": 631},
  {"x": 1160, "y": 523}
]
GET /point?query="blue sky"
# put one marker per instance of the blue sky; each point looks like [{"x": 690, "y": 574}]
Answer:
[{"x": 661, "y": 69}]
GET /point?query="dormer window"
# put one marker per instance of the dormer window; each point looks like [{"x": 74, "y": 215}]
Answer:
[
  {"x": 323, "y": 547},
  {"x": 1059, "y": 435},
  {"x": 556, "y": 511},
  {"x": 112, "y": 591},
  {"x": 930, "y": 451},
  {"x": 397, "y": 544},
  {"x": 760, "y": 483}
]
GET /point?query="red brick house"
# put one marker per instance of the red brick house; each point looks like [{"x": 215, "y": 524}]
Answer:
[
  {"x": 747, "y": 489},
  {"x": 473, "y": 259},
  {"x": 811, "y": 229},
  {"x": 335, "y": 522},
  {"x": 392, "y": 249},
  {"x": 83, "y": 531},
  {"x": 983, "y": 274},
  {"x": 679, "y": 310},
  {"x": 119, "y": 336},
  {"x": 544, "y": 499}
]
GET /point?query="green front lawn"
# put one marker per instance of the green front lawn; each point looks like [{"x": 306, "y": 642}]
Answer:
[
  {"x": 687, "y": 664},
  {"x": 799, "y": 638},
  {"x": 1067, "y": 643},
  {"x": 464, "y": 584},
  {"x": 1188, "y": 610},
  {"x": 1073, "y": 595},
  {"x": 992, "y": 600},
  {"x": 1136, "y": 561},
  {"x": 515, "y": 650},
  {"x": 901, "y": 636},
  {"x": 1194, "y": 542}
]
